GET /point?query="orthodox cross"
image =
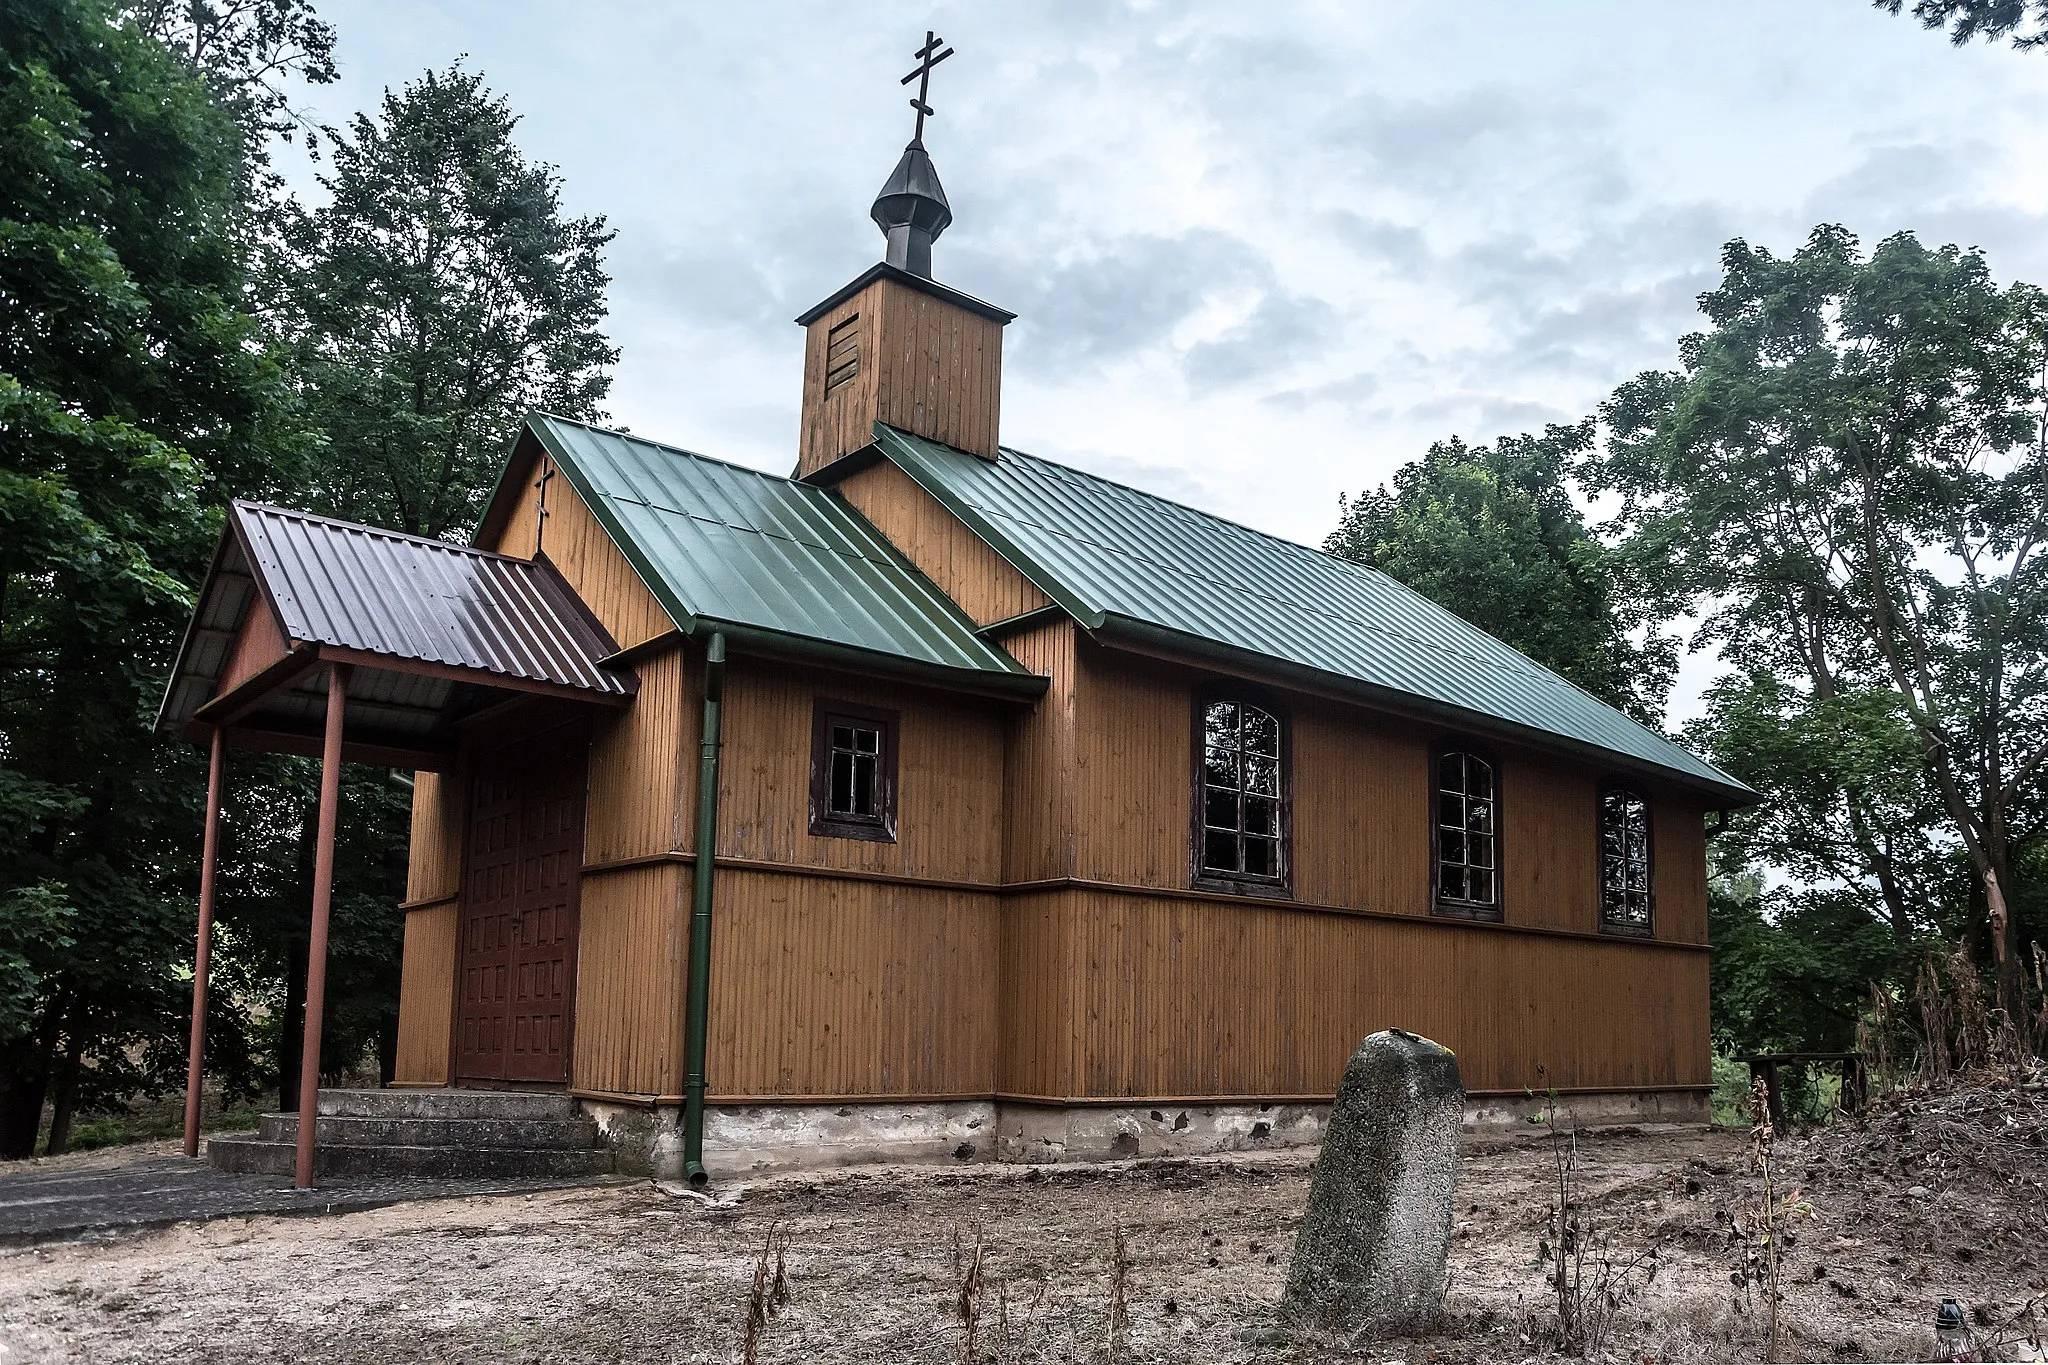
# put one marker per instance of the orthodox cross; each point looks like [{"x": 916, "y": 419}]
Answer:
[
  {"x": 547, "y": 472},
  {"x": 923, "y": 77}
]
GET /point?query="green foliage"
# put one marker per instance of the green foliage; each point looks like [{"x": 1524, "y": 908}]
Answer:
[
  {"x": 1850, "y": 477},
  {"x": 1492, "y": 533},
  {"x": 2026, "y": 21},
  {"x": 1791, "y": 973},
  {"x": 436, "y": 299},
  {"x": 129, "y": 371}
]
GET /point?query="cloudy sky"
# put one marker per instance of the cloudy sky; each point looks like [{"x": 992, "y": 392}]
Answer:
[{"x": 1260, "y": 254}]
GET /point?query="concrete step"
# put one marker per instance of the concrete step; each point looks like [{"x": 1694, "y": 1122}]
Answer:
[
  {"x": 348, "y": 1130},
  {"x": 447, "y": 1104},
  {"x": 261, "y": 1156}
]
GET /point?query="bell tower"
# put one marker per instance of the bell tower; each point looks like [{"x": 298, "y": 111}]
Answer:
[{"x": 894, "y": 345}]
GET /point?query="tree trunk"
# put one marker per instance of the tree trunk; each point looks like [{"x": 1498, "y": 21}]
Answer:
[
  {"x": 21, "y": 1105},
  {"x": 291, "y": 1029},
  {"x": 65, "y": 1101}
]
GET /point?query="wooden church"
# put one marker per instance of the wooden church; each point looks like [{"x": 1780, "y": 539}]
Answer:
[{"x": 941, "y": 801}]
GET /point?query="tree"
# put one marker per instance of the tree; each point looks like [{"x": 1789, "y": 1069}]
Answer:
[
  {"x": 436, "y": 299},
  {"x": 1851, "y": 472},
  {"x": 1986, "y": 19},
  {"x": 1847, "y": 811},
  {"x": 1492, "y": 533},
  {"x": 128, "y": 373}
]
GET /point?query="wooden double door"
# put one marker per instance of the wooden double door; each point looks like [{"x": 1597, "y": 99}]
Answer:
[{"x": 516, "y": 996}]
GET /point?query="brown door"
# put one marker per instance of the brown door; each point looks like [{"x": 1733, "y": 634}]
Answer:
[{"x": 519, "y": 915}]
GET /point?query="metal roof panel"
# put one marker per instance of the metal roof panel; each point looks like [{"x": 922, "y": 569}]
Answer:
[{"x": 1107, "y": 552}]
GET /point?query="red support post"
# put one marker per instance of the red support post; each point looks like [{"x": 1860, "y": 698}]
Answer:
[
  {"x": 323, "y": 900},
  {"x": 202, "y": 956}
]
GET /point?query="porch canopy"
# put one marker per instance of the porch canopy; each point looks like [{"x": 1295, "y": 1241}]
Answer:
[{"x": 323, "y": 637}]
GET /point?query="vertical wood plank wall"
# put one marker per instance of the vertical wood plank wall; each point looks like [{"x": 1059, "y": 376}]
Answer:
[
  {"x": 949, "y": 788},
  {"x": 632, "y": 961},
  {"x": 926, "y": 365},
  {"x": 961, "y": 563},
  {"x": 426, "y": 994},
  {"x": 830, "y": 988}
]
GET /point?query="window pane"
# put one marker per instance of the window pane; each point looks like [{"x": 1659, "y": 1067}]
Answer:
[
  {"x": 1479, "y": 816},
  {"x": 864, "y": 785},
  {"x": 1262, "y": 857},
  {"x": 1450, "y": 773},
  {"x": 1479, "y": 850},
  {"x": 1261, "y": 816},
  {"x": 1220, "y": 768},
  {"x": 1451, "y": 882},
  {"x": 1261, "y": 732},
  {"x": 1451, "y": 846},
  {"x": 1219, "y": 852},
  {"x": 1478, "y": 777},
  {"x": 1222, "y": 723},
  {"x": 841, "y": 799},
  {"x": 1219, "y": 809},
  {"x": 1450, "y": 811},
  {"x": 842, "y": 736},
  {"x": 867, "y": 741},
  {"x": 1261, "y": 774},
  {"x": 1479, "y": 886}
]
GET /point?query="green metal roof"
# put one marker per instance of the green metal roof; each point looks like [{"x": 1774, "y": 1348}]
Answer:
[
  {"x": 1128, "y": 563},
  {"x": 770, "y": 561}
]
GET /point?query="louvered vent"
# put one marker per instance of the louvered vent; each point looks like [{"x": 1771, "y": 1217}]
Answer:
[{"x": 842, "y": 354}]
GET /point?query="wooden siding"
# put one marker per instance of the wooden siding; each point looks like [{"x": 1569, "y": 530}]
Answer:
[
  {"x": 949, "y": 778},
  {"x": 828, "y": 987},
  {"x": 631, "y": 965},
  {"x": 426, "y": 994},
  {"x": 258, "y": 644},
  {"x": 1187, "y": 998},
  {"x": 643, "y": 764},
  {"x": 575, "y": 544},
  {"x": 1678, "y": 868},
  {"x": 1360, "y": 809},
  {"x": 926, "y": 365},
  {"x": 1038, "y": 776},
  {"x": 434, "y": 866},
  {"x": 961, "y": 563}
]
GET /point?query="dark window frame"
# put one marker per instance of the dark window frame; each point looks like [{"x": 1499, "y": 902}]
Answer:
[
  {"x": 1496, "y": 911},
  {"x": 1648, "y": 928},
  {"x": 882, "y": 828},
  {"x": 1202, "y": 878}
]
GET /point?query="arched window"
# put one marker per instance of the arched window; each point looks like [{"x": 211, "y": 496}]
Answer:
[
  {"x": 1241, "y": 834},
  {"x": 1467, "y": 824},
  {"x": 1624, "y": 862}
]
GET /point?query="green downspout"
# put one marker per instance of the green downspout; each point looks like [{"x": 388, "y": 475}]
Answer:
[{"x": 698, "y": 1006}]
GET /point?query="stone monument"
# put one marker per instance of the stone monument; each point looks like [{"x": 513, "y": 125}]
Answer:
[{"x": 1369, "y": 1260}]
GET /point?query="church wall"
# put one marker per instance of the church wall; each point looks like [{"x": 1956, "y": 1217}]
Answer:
[
  {"x": 949, "y": 787},
  {"x": 961, "y": 563},
  {"x": 1186, "y": 998},
  {"x": 575, "y": 544},
  {"x": 1360, "y": 805},
  {"x": 829, "y": 987}
]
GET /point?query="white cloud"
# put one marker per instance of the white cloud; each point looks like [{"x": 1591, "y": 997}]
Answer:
[{"x": 1261, "y": 254}]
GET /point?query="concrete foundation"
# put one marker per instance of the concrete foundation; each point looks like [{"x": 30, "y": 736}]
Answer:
[{"x": 743, "y": 1142}]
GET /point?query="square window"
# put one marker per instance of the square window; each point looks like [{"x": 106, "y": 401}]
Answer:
[{"x": 853, "y": 772}]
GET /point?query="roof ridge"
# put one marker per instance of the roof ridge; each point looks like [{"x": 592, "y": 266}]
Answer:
[
  {"x": 1534, "y": 667},
  {"x": 664, "y": 446},
  {"x": 367, "y": 528}
]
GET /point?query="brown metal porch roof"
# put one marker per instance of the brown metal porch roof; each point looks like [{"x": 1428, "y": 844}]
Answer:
[{"x": 430, "y": 631}]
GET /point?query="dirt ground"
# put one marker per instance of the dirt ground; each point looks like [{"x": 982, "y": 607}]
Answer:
[{"x": 628, "y": 1272}]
